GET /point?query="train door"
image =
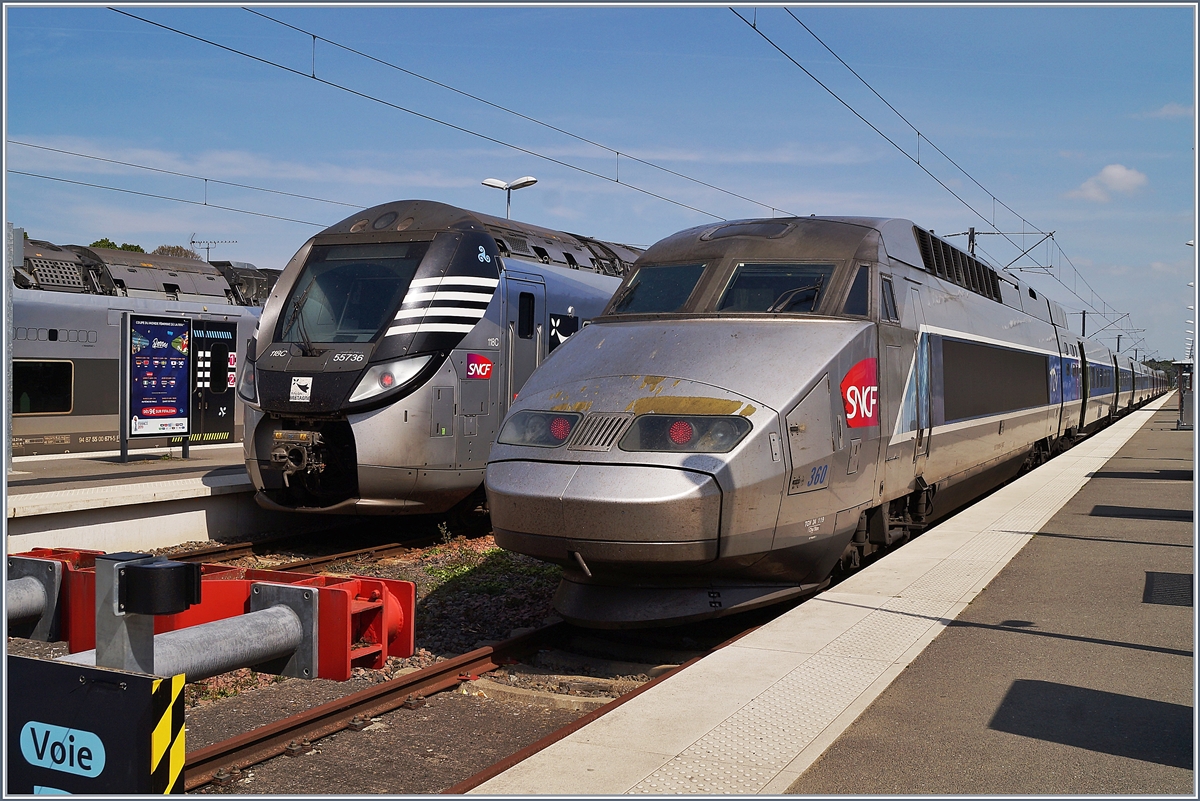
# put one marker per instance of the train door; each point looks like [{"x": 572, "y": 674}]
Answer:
[
  {"x": 214, "y": 371},
  {"x": 921, "y": 376},
  {"x": 525, "y": 310},
  {"x": 1085, "y": 386},
  {"x": 899, "y": 333}
]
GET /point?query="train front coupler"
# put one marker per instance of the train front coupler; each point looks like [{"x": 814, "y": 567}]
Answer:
[{"x": 297, "y": 452}]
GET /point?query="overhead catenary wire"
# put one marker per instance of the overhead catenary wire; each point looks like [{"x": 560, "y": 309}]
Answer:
[
  {"x": 1106, "y": 310},
  {"x": 1050, "y": 236},
  {"x": 185, "y": 175},
  {"x": 499, "y": 107},
  {"x": 166, "y": 197},
  {"x": 396, "y": 106}
]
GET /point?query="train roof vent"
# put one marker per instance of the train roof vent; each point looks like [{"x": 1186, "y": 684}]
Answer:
[
  {"x": 59, "y": 275},
  {"x": 948, "y": 262},
  {"x": 519, "y": 244},
  {"x": 599, "y": 431},
  {"x": 764, "y": 230}
]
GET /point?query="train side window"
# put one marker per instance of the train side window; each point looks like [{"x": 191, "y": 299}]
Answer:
[
  {"x": 857, "y": 301},
  {"x": 887, "y": 299},
  {"x": 42, "y": 387},
  {"x": 525, "y": 315}
]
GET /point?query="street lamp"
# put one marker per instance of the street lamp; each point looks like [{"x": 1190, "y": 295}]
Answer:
[{"x": 508, "y": 188}]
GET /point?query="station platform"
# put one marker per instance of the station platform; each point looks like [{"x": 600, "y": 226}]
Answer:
[
  {"x": 1040, "y": 642},
  {"x": 154, "y": 500}
]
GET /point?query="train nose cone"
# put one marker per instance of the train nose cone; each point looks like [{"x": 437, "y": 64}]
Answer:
[{"x": 631, "y": 517}]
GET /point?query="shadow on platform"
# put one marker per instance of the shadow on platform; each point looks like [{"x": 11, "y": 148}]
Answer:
[{"x": 1121, "y": 725}]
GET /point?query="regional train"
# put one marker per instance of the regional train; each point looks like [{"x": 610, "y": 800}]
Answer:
[
  {"x": 392, "y": 346},
  {"x": 763, "y": 403},
  {"x": 67, "y": 307}
]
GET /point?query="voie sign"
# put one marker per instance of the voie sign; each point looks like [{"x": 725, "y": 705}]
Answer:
[{"x": 160, "y": 370}]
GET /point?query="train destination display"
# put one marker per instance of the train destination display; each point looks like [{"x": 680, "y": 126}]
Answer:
[{"x": 159, "y": 375}]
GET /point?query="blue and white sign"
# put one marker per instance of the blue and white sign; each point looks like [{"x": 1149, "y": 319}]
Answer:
[
  {"x": 62, "y": 749},
  {"x": 160, "y": 372}
]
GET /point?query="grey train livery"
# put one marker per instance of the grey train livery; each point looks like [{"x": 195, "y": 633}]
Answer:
[
  {"x": 67, "y": 307},
  {"x": 765, "y": 402},
  {"x": 393, "y": 345}
]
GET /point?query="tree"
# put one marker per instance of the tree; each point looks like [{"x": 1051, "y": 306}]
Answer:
[
  {"x": 175, "y": 250},
  {"x": 111, "y": 245}
]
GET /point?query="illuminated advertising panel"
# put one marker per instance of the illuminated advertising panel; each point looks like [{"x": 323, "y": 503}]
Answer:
[{"x": 159, "y": 376}]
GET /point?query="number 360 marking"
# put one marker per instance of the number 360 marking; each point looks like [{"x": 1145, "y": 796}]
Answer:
[{"x": 818, "y": 475}]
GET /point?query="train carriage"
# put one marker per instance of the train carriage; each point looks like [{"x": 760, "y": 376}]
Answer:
[
  {"x": 67, "y": 306},
  {"x": 393, "y": 345},
  {"x": 765, "y": 402}
]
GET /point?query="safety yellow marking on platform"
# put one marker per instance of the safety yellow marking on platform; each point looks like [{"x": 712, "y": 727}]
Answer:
[{"x": 168, "y": 736}]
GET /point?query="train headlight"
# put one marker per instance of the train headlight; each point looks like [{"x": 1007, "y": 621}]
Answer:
[
  {"x": 539, "y": 429},
  {"x": 383, "y": 377},
  {"x": 248, "y": 384},
  {"x": 690, "y": 433}
]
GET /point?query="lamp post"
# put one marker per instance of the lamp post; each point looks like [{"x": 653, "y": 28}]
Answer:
[{"x": 508, "y": 188}]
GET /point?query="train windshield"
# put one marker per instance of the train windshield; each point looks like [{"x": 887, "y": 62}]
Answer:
[
  {"x": 657, "y": 289},
  {"x": 776, "y": 288},
  {"x": 347, "y": 293}
]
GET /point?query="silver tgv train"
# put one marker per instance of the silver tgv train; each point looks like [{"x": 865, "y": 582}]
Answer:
[
  {"x": 394, "y": 343},
  {"x": 67, "y": 305},
  {"x": 766, "y": 402}
]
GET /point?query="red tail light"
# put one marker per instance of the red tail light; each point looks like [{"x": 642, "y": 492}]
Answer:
[
  {"x": 560, "y": 428},
  {"x": 681, "y": 432}
]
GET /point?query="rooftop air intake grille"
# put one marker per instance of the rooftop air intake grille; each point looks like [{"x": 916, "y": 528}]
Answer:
[
  {"x": 951, "y": 264},
  {"x": 598, "y": 432},
  {"x": 57, "y": 275}
]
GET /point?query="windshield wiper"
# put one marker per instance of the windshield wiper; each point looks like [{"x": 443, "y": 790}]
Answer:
[
  {"x": 625, "y": 293},
  {"x": 788, "y": 298},
  {"x": 306, "y": 347}
]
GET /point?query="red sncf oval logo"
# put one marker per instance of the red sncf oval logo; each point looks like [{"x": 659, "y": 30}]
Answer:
[
  {"x": 478, "y": 366},
  {"x": 860, "y": 394}
]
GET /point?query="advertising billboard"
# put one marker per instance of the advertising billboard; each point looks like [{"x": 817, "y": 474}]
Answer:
[{"x": 160, "y": 373}]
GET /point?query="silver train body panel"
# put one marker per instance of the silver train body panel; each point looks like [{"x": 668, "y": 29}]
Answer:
[
  {"x": 868, "y": 417},
  {"x": 67, "y": 337},
  {"x": 485, "y": 320}
]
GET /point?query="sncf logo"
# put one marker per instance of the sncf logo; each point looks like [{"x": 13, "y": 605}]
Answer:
[
  {"x": 478, "y": 366},
  {"x": 860, "y": 394}
]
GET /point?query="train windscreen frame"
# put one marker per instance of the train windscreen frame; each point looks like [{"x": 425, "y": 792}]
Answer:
[
  {"x": 658, "y": 289},
  {"x": 348, "y": 293},
  {"x": 777, "y": 288}
]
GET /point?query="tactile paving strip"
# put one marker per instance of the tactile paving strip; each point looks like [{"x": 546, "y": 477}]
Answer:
[
  {"x": 950, "y": 580},
  {"x": 744, "y": 752},
  {"x": 989, "y": 546},
  {"x": 889, "y": 631}
]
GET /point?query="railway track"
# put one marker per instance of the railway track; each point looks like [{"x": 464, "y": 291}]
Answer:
[
  {"x": 227, "y": 552},
  {"x": 299, "y": 731},
  {"x": 222, "y": 762}
]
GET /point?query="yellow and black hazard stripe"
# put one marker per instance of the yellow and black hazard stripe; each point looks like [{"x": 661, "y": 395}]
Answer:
[{"x": 167, "y": 749}]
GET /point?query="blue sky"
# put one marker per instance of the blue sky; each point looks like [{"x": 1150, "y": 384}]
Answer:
[{"x": 1079, "y": 119}]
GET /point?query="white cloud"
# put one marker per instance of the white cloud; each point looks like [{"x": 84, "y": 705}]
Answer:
[
  {"x": 1171, "y": 111},
  {"x": 1113, "y": 178}
]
